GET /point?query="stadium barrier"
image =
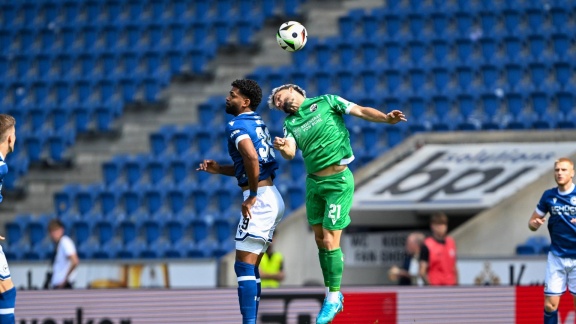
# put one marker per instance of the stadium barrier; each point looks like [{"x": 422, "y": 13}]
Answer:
[{"x": 387, "y": 304}]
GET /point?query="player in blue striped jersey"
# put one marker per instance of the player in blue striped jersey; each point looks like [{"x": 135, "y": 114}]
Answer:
[
  {"x": 560, "y": 203},
  {"x": 7, "y": 289},
  {"x": 251, "y": 150}
]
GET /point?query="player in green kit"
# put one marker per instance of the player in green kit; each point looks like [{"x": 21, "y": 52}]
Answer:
[{"x": 316, "y": 127}]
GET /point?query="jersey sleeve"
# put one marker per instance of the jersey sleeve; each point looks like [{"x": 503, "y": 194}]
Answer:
[
  {"x": 339, "y": 104},
  {"x": 542, "y": 207},
  {"x": 288, "y": 133},
  {"x": 236, "y": 133},
  {"x": 68, "y": 247},
  {"x": 424, "y": 253}
]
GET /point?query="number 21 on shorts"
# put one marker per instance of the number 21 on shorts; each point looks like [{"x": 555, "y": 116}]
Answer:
[{"x": 334, "y": 213}]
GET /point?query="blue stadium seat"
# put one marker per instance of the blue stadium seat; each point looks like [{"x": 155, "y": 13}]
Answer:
[
  {"x": 393, "y": 52},
  {"x": 223, "y": 248},
  {"x": 104, "y": 231},
  {"x": 538, "y": 72},
  {"x": 201, "y": 199},
  {"x": 561, "y": 45},
  {"x": 157, "y": 170},
  {"x": 440, "y": 50},
  {"x": 85, "y": 197},
  {"x": 128, "y": 231},
  {"x": 131, "y": 200},
  {"x": 417, "y": 79},
  {"x": 178, "y": 197},
  {"x": 490, "y": 75},
  {"x": 562, "y": 72},
  {"x": 489, "y": 21},
  {"x": 560, "y": 18},
  {"x": 64, "y": 199},
  {"x": 514, "y": 103},
  {"x": 224, "y": 230},
  {"x": 490, "y": 105},
  {"x": 108, "y": 200},
  {"x": 200, "y": 229},
  {"x": 393, "y": 80},
  {"x": 154, "y": 197},
  {"x": 175, "y": 230},
  {"x": 152, "y": 230},
  {"x": 465, "y": 76},
  {"x": 513, "y": 74},
  {"x": 112, "y": 170},
  {"x": 134, "y": 168},
  {"x": 565, "y": 102},
  {"x": 539, "y": 103},
  {"x": 14, "y": 231},
  {"x": 81, "y": 231},
  {"x": 369, "y": 79},
  {"x": 182, "y": 140},
  {"x": 464, "y": 22}
]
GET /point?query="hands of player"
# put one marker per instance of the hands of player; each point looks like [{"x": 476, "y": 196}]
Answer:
[
  {"x": 537, "y": 222},
  {"x": 2, "y": 238},
  {"x": 395, "y": 116},
  {"x": 247, "y": 205},
  {"x": 573, "y": 221},
  {"x": 279, "y": 143},
  {"x": 209, "y": 166}
]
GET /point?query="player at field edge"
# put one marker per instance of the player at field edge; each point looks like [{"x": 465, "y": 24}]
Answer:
[
  {"x": 560, "y": 202},
  {"x": 250, "y": 147},
  {"x": 316, "y": 127},
  {"x": 7, "y": 289}
]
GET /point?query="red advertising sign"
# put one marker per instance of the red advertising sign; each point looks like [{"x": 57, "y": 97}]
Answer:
[
  {"x": 530, "y": 306},
  {"x": 368, "y": 308}
]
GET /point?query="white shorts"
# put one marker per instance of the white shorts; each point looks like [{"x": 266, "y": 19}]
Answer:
[
  {"x": 4, "y": 270},
  {"x": 253, "y": 235},
  {"x": 560, "y": 273}
]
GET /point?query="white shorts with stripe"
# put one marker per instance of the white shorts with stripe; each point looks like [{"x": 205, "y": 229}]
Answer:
[
  {"x": 253, "y": 235},
  {"x": 560, "y": 274}
]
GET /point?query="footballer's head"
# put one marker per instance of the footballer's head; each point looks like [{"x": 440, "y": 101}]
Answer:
[
  {"x": 244, "y": 96},
  {"x": 563, "y": 171},
  {"x": 287, "y": 98},
  {"x": 439, "y": 225},
  {"x": 7, "y": 132}
]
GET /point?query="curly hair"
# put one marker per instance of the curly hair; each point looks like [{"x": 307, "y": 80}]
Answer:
[{"x": 251, "y": 90}]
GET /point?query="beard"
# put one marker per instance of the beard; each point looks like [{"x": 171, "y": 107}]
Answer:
[
  {"x": 287, "y": 107},
  {"x": 230, "y": 109}
]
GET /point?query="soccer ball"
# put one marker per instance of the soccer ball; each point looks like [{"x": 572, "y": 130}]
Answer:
[{"x": 292, "y": 36}]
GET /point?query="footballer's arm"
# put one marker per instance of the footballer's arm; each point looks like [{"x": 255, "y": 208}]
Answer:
[
  {"x": 536, "y": 221},
  {"x": 252, "y": 167},
  {"x": 213, "y": 167},
  {"x": 286, "y": 146},
  {"x": 375, "y": 115}
]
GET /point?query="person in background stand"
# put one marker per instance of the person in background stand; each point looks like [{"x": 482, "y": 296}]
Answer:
[
  {"x": 272, "y": 268},
  {"x": 65, "y": 259},
  {"x": 408, "y": 274},
  {"x": 438, "y": 255}
]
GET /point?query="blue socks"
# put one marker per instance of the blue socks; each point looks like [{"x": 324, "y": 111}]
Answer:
[
  {"x": 247, "y": 291},
  {"x": 258, "y": 287},
  {"x": 551, "y": 317}
]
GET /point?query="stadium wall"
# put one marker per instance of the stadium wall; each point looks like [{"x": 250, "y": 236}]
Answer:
[{"x": 521, "y": 305}]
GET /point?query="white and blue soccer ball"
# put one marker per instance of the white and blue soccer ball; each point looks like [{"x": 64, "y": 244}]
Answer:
[{"x": 292, "y": 36}]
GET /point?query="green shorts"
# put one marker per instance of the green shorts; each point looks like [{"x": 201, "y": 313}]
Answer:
[{"x": 329, "y": 199}]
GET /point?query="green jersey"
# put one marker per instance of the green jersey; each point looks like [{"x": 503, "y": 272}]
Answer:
[{"x": 320, "y": 133}]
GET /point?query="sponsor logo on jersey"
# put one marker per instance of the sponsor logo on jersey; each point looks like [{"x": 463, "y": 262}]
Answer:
[
  {"x": 573, "y": 200},
  {"x": 231, "y": 123},
  {"x": 234, "y": 133},
  {"x": 554, "y": 200},
  {"x": 313, "y": 107}
]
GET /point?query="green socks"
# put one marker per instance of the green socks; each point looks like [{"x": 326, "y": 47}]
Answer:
[
  {"x": 332, "y": 264},
  {"x": 323, "y": 256}
]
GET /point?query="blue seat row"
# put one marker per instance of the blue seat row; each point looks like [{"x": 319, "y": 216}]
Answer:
[
  {"x": 380, "y": 22},
  {"x": 104, "y": 12}
]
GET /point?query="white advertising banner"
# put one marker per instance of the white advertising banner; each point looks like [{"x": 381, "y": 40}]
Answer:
[
  {"x": 374, "y": 249},
  {"x": 135, "y": 274},
  {"x": 459, "y": 176}
]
